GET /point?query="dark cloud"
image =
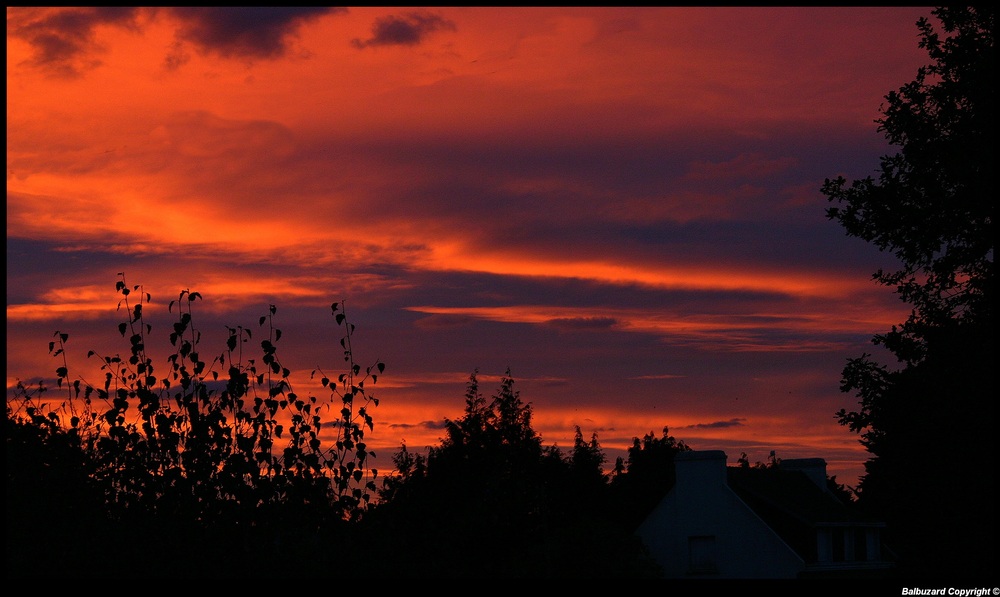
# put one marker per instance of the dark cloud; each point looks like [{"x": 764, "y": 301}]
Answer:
[
  {"x": 716, "y": 425},
  {"x": 64, "y": 43},
  {"x": 407, "y": 30},
  {"x": 634, "y": 200},
  {"x": 248, "y": 32},
  {"x": 63, "y": 39},
  {"x": 430, "y": 425}
]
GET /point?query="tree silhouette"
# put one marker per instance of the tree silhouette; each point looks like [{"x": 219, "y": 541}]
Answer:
[
  {"x": 642, "y": 480},
  {"x": 932, "y": 206},
  {"x": 491, "y": 501}
]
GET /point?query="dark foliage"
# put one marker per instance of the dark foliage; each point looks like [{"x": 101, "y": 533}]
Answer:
[
  {"x": 491, "y": 502},
  {"x": 194, "y": 474},
  {"x": 640, "y": 482},
  {"x": 932, "y": 206}
]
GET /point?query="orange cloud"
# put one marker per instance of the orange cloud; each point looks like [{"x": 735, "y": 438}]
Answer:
[{"x": 805, "y": 283}]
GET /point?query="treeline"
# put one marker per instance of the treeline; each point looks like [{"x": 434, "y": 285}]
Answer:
[
  {"x": 216, "y": 468},
  {"x": 492, "y": 502}
]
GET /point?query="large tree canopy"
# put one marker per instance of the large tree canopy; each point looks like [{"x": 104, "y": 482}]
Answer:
[
  {"x": 933, "y": 202},
  {"x": 929, "y": 424}
]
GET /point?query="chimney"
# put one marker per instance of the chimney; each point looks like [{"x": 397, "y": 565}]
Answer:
[
  {"x": 814, "y": 468},
  {"x": 700, "y": 468}
]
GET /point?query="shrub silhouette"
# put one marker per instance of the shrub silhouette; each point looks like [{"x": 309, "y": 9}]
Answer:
[{"x": 231, "y": 463}]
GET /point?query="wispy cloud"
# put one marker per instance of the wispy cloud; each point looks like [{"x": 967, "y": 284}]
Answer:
[
  {"x": 737, "y": 422},
  {"x": 751, "y": 331}
]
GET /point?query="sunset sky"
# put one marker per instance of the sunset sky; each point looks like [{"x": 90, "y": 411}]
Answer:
[{"x": 621, "y": 205}]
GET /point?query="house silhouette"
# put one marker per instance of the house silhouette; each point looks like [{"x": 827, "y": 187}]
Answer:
[{"x": 759, "y": 522}]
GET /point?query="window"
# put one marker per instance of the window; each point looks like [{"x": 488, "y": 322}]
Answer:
[
  {"x": 839, "y": 554},
  {"x": 861, "y": 545},
  {"x": 701, "y": 549},
  {"x": 847, "y": 544}
]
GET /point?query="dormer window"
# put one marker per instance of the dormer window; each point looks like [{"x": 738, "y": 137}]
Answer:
[{"x": 838, "y": 544}]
